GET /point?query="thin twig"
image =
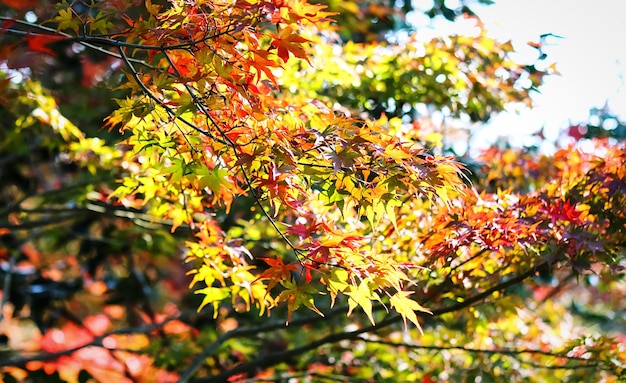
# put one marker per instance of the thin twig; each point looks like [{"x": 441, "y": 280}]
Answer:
[
  {"x": 154, "y": 98},
  {"x": 39, "y": 223},
  {"x": 244, "y": 173},
  {"x": 279, "y": 357},
  {"x": 501, "y": 351},
  {"x": 52, "y": 31},
  {"x": 6, "y": 288},
  {"x": 106, "y": 41}
]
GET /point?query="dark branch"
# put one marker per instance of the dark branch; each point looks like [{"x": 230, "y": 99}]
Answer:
[
  {"x": 501, "y": 351},
  {"x": 279, "y": 357},
  {"x": 250, "y": 331}
]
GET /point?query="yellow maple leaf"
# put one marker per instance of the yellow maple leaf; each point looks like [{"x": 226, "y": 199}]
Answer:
[
  {"x": 407, "y": 307},
  {"x": 361, "y": 296}
]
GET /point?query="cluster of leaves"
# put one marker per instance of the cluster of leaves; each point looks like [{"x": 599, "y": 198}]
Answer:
[
  {"x": 467, "y": 76},
  {"x": 256, "y": 162},
  {"x": 602, "y": 123},
  {"x": 373, "y": 21}
]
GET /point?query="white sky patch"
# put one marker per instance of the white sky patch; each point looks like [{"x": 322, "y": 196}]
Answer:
[{"x": 591, "y": 58}]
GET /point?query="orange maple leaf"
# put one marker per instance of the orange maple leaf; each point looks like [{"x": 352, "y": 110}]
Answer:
[
  {"x": 300, "y": 9},
  {"x": 278, "y": 271},
  {"x": 20, "y": 4},
  {"x": 288, "y": 41}
]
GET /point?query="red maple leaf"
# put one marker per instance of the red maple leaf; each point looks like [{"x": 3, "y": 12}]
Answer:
[
  {"x": 39, "y": 43},
  {"x": 564, "y": 211},
  {"x": 20, "y": 4},
  {"x": 577, "y": 131}
]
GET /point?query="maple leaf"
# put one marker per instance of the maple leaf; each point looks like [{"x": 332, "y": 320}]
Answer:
[
  {"x": 70, "y": 336},
  {"x": 407, "y": 307},
  {"x": 20, "y": 4},
  {"x": 288, "y": 41},
  {"x": 301, "y": 9},
  {"x": 564, "y": 211},
  {"x": 342, "y": 160},
  {"x": 66, "y": 20},
  {"x": 337, "y": 282},
  {"x": 277, "y": 272},
  {"x": 153, "y": 9},
  {"x": 361, "y": 296},
  {"x": 39, "y": 43},
  {"x": 319, "y": 252},
  {"x": 213, "y": 295},
  {"x": 302, "y": 231},
  {"x": 297, "y": 296},
  {"x": 263, "y": 65}
]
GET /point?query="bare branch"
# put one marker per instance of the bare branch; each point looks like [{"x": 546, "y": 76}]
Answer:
[
  {"x": 6, "y": 288},
  {"x": 279, "y": 357},
  {"x": 501, "y": 351},
  {"x": 249, "y": 331},
  {"x": 38, "y": 223}
]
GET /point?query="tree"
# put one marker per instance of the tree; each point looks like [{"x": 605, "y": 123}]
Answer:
[
  {"x": 602, "y": 124},
  {"x": 276, "y": 164}
]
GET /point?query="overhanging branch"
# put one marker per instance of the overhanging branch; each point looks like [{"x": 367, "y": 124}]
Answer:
[{"x": 279, "y": 357}]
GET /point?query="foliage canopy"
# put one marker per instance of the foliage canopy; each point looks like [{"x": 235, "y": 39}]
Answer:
[{"x": 275, "y": 157}]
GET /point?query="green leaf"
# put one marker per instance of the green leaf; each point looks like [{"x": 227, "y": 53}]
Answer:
[
  {"x": 66, "y": 20},
  {"x": 296, "y": 296}
]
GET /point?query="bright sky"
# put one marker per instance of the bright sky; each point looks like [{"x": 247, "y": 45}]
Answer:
[{"x": 591, "y": 58}]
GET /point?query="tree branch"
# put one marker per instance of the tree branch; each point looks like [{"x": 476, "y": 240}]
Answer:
[
  {"x": 249, "y": 331},
  {"x": 278, "y": 357},
  {"x": 39, "y": 223},
  {"x": 154, "y": 98},
  {"x": 51, "y": 31},
  {"x": 502, "y": 351}
]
